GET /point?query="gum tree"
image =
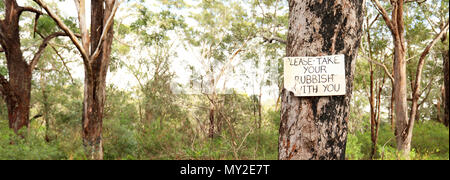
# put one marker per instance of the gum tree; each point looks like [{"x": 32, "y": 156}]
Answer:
[
  {"x": 316, "y": 127},
  {"x": 95, "y": 49},
  {"x": 17, "y": 90},
  {"x": 404, "y": 124}
]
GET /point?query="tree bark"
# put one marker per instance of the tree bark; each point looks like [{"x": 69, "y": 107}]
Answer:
[
  {"x": 447, "y": 88},
  {"x": 391, "y": 109},
  {"x": 316, "y": 127},
  {"x": 17, "y": 91},
  {"x": 211, "y": 121},
  {"x": 400, "y": 98},
  {"x": 403, "y": 126},
  {"x": 95, "y": 82},
  {"x": 96, "y": 60}
]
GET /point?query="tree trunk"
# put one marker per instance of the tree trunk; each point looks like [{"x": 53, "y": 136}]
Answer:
[
  {"x": 17, "y": 91},
  {"x": 447, "y": 88},
  {"x": 373, "y": 116},
  {"x": 438, "y": 107},
  {"x": 18, "y": 100},
  {"x": 316, "y": 127},
  {"x": 260, "y": 110},
  {"x": 403, "y": 126},
  {"x": 46, "y": 107},
  {"x": 391, "y": 109},
  {"x": 95, "y": 83},
  {"x": 211, "y": 121},
  {"x": 400, "y": 99}
]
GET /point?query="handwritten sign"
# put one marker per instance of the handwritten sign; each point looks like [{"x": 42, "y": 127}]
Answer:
[{"x": 315, "y": 76}]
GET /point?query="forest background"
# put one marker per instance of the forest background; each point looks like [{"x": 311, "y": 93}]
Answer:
[{"x": 176, "y": 64}]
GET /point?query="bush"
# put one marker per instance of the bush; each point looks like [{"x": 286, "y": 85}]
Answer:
[
  {"x": 430, "y": 141},
  {"x": 13, "y": 147}
]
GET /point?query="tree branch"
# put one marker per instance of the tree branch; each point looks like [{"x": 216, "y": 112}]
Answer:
[
  {"x": 33, "y": 10},
  {"x": 416, "y": 88},
  {"x": 417, "y": 1},
  {"x": 384, "y": 67},
  {"x": 42, "y": 47},
  {"x": 30, "y": 9},
  {"x": 383, "y": 13},
  {"x": 429, "y": 87},
  {"x": 64, "y": 63},
  {"x": 80, "y": 4},
  {"x": 72, "y": 36},
  {"x": 271, "y": 39},
  {"x": 108, "y": 25},
  {"x": 422, "y": 58}
]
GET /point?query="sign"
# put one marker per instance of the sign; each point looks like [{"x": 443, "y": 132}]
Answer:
[{"x": 315, "y": 76}]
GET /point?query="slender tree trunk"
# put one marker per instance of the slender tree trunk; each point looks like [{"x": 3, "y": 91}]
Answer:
[
  {"x": 260, "y": 109},
  {"x": 438, "y": 114},
  {"x": 403, "y": 126},
  {"x": 447, "y": 88},
  {"x": 373, "y": 108},
  {"x": 316, "y": 127},
  {"x": 46, "y": 107},
  {"x": 391, "y": 109},
  {"x": 400, "y": 99},
  {"x": 211, "y": 121}
]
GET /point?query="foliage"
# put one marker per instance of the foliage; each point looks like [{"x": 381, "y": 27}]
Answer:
[
  {"x": 430, "y": 141},
  {"x": 150, "y": 121}
]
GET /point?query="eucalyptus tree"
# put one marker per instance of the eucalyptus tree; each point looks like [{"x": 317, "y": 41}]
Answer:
[
  {"x": 396, "y": 25},
  {"x": 316, "y": 127},
  {"x": 271, "y": 20},
  {"x": 154, "y": 38},
  {"x": 95, "y": 50},
  {"x": 374, "y": 72},
  {"x": 17, "y": 90},
  {"x": 223, "y": 33},
  {"x": 446, "y": 91}
]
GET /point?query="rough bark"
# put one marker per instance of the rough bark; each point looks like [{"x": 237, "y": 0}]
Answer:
[
  {"x": 447, "y": 88},
  {"x": 95, "y": 82},
  {"x": 17, "y": 91},
  {"x": 316, "y": 127}
]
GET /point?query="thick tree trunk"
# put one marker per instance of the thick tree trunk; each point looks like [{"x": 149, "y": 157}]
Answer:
[
  {"x": 447, "y": 88},
  {"x": 95, "y": 83},
  {"x": 18, "y": 102},
  {"x": 316, "y": 127},
  {"x": 17, "y": 91}
]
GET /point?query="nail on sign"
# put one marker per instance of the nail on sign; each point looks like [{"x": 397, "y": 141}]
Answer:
[{"x": 315, "y": 76}]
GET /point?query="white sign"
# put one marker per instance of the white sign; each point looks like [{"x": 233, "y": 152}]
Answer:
[{"x": 315, "y": 76}]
